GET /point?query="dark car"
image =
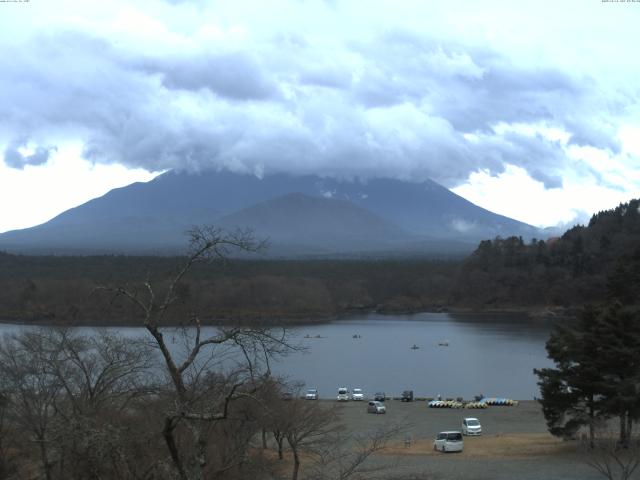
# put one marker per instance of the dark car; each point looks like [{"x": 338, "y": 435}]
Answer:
[
  {"x": 286, "y": 396},
  {"x": 379, "y": 397},
  {"x": 407, "y": 396}
]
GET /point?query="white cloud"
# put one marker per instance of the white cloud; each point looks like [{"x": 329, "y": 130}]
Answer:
[
  {"x": 328, "y": 193},
  {"x": 463, "y": 226},
  {"x": 37, "y": 193},
  {"x": 630, "y": 137},
  {"x": 471, "y": 94},
  {"x": 515, "y": 194}
]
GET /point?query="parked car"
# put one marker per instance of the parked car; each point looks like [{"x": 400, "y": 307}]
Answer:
[
  {"x": 407, "y": 396},
  {"x": 286, "y": 396},
  {"x": 357, "y": 394},
  {"x": 379, "y": 396},
  {"x": 343, "y": 394},
  {"x": 448, "y": 442},
  {"x": 376, "y": 407},
  {"x": 471, "y": 426},
  {"x": 312, "y": 394}
]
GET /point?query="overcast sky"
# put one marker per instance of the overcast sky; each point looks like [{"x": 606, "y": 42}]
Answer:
[{"x": 529, "y": 109}]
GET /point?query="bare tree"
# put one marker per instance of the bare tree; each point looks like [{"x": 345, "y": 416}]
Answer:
[
  {"x": 31, "y": 391},
  {"x": 197, "y": 402},
  {"x": 609, "y": 457},
  {"x": 70, "y": 392},
  {"x": 343, "y": 455},
  {"x": 101, "y": 375},
  {"x": 274, "y": 415},
  {"x": 305, "y": 425},
  {"x": 98, "y": 371},
  {"x": 6, "y": 463},
  {"x": 271, "y": 398}
]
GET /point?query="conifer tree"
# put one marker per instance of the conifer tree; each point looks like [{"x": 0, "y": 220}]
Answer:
[
  {"x": 571, "y": 396},
  {"x": 597, "y": 373}
]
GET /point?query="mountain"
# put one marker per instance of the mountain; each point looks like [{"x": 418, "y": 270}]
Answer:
[
  {"x": 323, "y": 215},
  {"x": 316, "y": 224}
]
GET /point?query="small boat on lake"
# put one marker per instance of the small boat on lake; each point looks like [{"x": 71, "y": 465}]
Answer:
[
  {"x": 414, "y": 347},
  {"x": 443, "y": 344}
]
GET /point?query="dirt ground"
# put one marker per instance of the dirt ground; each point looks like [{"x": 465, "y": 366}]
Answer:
[{"x": 514, "y": 445}]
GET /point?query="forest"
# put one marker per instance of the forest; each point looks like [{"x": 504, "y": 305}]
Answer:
[{"x": 557, "y": 274}]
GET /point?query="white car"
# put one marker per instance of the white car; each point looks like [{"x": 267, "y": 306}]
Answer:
[
  {"x": 357, "y": 394},
  {"x": 312, "y": 394},
  {"x": 448, "y": 442},
  {"x": 343, "y": 394},
  {"x": 376, "y": 407},
  {"x": 471, "y": 426}
]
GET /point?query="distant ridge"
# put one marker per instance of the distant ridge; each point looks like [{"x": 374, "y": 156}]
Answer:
[
  {"x": 301, "y": 214},
  {"x": 307, "y": 224}
]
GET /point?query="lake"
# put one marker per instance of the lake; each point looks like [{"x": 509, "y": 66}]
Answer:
[
  {"x": 486, "y": 354},
  {"x": 490, "y": 354}
]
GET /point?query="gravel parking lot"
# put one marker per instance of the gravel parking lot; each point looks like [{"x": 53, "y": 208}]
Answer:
[{"x": 514, "y": 445}]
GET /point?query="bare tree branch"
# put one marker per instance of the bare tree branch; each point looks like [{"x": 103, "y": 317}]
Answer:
[
  {"x": 611, "y": 459},
  {"x": 200, "y": 397}
]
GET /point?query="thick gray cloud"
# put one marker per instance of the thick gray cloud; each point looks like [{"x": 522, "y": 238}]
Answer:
[
  {"x": 326, "y": 77},
  {"x": 395, "y": 104},
  {"x": 509, "y": 95},
  {"x": 15, "y": 159},
  {"x": 236, "y": 76}
]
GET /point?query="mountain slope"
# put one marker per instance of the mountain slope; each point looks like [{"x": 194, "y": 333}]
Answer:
[
  {"x": 152, "y": 217},
  {"x": 317, "y": 224}
]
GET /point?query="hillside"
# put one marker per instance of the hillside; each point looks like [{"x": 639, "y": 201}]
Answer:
[
  {"x": 582, "y": 266},
  {"x": 298, "y": 222},
  {"x": 151, "y": 218}
]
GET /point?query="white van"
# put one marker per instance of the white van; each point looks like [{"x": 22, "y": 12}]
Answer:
[
  {"x": 471, "y": 426},
  {"x": 343, "y": 394},
  {"x": 448, "y": 442},
  {"x": 357, "y": 394}
]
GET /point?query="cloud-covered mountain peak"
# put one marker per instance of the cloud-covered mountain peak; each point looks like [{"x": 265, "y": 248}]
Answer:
[{"x": 321, "y": 213}]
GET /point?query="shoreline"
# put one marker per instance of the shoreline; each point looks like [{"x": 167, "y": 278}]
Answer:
[{"x": 542, "y": 313}]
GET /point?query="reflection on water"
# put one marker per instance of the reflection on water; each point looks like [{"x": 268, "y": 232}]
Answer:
[{"x": 454, "y": 355}]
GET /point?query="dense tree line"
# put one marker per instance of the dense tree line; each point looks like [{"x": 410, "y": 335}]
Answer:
[
  {"x": 62, "y": 289},
  {"x": 566, "y": 271},
  {"x": 502, "y": 273}
]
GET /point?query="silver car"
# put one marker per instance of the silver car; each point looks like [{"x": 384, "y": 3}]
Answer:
[
  {"x": 471, "y": 426},
  {"x": 376, "y": 407}
]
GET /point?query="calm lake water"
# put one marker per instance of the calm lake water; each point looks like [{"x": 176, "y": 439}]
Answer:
[
  {"x": 486, "y": 354},
  {"x": 492, "y": 355}
]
